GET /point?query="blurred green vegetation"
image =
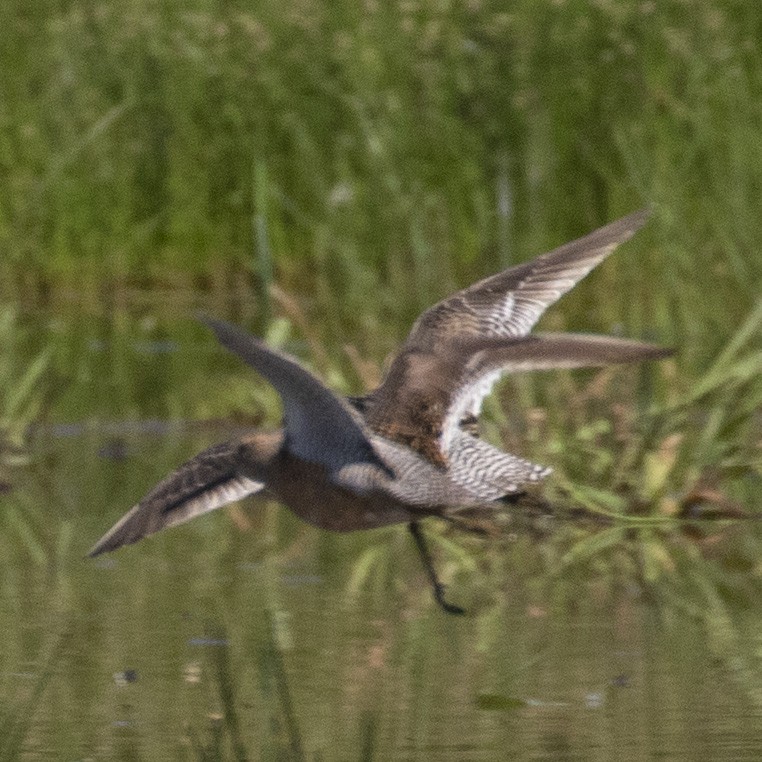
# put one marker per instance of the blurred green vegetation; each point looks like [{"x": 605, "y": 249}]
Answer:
[
  {"x": 393, "y": 149},
  {"x": 322, "y": 172},
  {"x": 369, "y": 159},
  {"x": 22, "y": 390}
]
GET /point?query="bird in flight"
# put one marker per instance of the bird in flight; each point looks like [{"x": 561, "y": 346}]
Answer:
[{"x": 406, "y": 450}]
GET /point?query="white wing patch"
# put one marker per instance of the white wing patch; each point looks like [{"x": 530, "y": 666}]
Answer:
[
  {"x": 156, "y": 512},
  {"x": 499, "y": 321},
  {"x": 221, "y": 494},
  {"x": 468, "y": 400},
  {"x": 518, "y": 311}
]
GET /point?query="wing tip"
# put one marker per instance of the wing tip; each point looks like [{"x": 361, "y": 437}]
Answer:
[
  {"x": 643, "y": 352},
  {"x": 100, "y": 548},
  {"x": 639, "y": 217},
  {"x": 661, "y": 353},
  {"x": 244, "y": 345},
  {"x": 106, "y": 544},
  {"x": 620, "y": 231},
  {"x": 118, "y": 536}
]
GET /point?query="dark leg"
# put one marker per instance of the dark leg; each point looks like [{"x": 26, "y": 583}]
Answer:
[{"x": 415, "y": 530}]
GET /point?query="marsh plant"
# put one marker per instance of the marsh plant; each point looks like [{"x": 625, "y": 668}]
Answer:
[{"x": 22, "y": 388}]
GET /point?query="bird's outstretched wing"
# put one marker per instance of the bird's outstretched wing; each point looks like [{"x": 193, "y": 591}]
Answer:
[
  {"x": 459, "y": 347},
  {"x": 541, "y": 351},
  {"x": 208, "y": 481},
  {"x": 508, "y": 304},
  {"x": 320, "y": 427}
]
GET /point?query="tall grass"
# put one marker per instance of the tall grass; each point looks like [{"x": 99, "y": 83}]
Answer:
[
  {"x": 341, "y": 149},
  {"x": 22, "y": 388},
  {"x": 369, "y": 158}
]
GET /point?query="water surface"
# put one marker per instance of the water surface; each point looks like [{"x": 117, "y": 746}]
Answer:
[{"x": 249, "y": 635}]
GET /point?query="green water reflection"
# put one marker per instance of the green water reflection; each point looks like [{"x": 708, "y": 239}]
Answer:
[{"x": 249, "y": 635}]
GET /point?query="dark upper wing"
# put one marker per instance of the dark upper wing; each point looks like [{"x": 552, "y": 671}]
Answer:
[
  {"x": 208, "y": 481},
  {"x": 320, "y": 427},
  {"x": 459, "y": 347}
]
